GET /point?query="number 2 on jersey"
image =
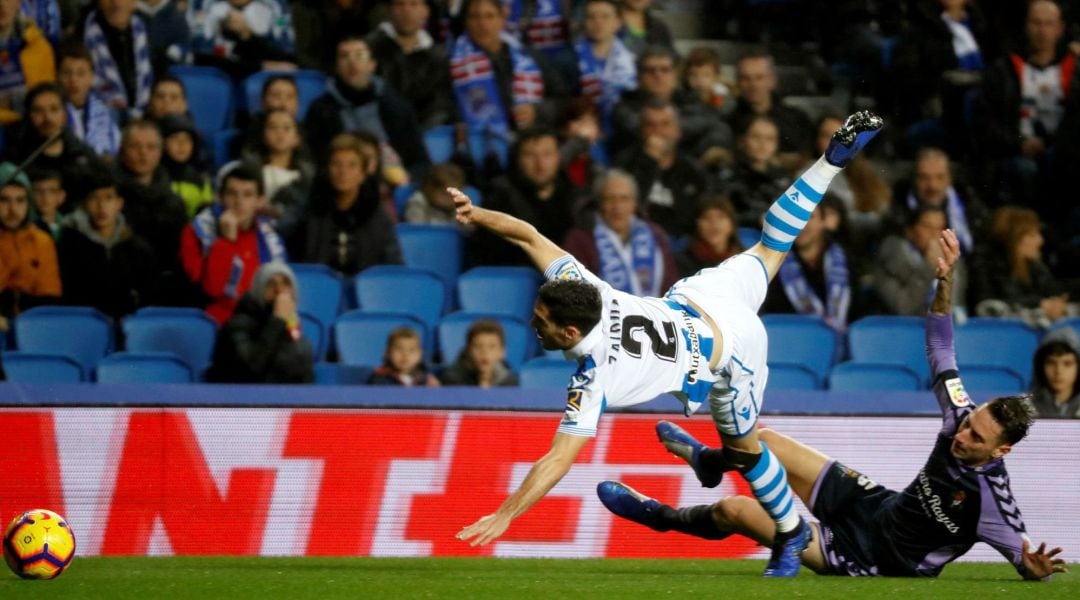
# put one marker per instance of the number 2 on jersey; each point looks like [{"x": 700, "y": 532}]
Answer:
[{"x": 664, "y": 349}]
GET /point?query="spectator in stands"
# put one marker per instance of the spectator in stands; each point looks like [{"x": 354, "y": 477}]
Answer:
[
  {"x": 1028, "y": 113},
  {"x": 403, "y": 362},
  {"x": 384, "y": 165},
  {"x": 757, "y": 82},
  {"x": 1011, "y": 278},
  {"x": 167, "y": 97},
  {"x": 701, "y": 75},
  {"x": 1053, "y": 389},
  {"x": 715, "y": 238},
  {"x": 226, "y": 243},
  {"x": 544, "y": 27},
  {"x": 605, "y": 67},
  {"x": 535, "y": 190},
  {"x": 167, "y": 28},
  {"x": 46, "y": 118},
  {"x": 49, "y": 196},
  {"x": 88, "y": 117},
  {"x": 933, "y": 185},
  {"x": 279, "y": 92},
  {"x": 671, "y": 183},
  {"x": 904, "y": 272},
  {"x": 431, "y": 204},
  {"x": 626, "y": 251},
  {"x": 29, "y": 273},
  {"x": 702, "y": 127},
  {"x": 641, "y": 27},
  {"x": 483, "y": 360},
  {"x": 358, "y": 99},
  {"x": 150, "y": 206},
  {"x": 245, "y": 36},
  {"x": 27, "y": 60},
  {"x": 862, "y": 191},
  {"x": 412, "y": 63},
  {"x": 500, "y": 85},
  {"x": 757, "y": 179},
  {"x": 181, "y": 165},
  {"x": 581, "y": 147},
  {"x": 262, "y": 342},
  {"x": 49, "y": 16},
  {"x": 347, "y": 227},
  {"x": 814, "y": 279},
  {"x": 321, "y": 24},
  {"x": 103, "y": 262},
  {"x": 287, "y": 169},
  {"x": 119, "y": 43}
]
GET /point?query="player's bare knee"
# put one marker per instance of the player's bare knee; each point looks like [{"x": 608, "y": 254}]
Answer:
[{"x": 727, "y": 512}]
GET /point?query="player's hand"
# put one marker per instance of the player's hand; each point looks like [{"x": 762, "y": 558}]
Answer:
[
  {"x": 462, "y": 204},
  {"x": 486, "y": 530},
  {"x": 1042, "y": 564},
  {"x": 950, "y": 253}
]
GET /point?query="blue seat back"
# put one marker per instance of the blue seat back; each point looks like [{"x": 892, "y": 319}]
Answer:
[
  {"x": 320, "y": 291},
  {"x": 997, "y": 342},
  {"x": 871, "y": 377},
  {"x": 483, "y": 143},
  {"x": 440, "y": 142},
  {"x": 804, "y": 340},
  {"x": 143, "y": 367},
  {"x": 792, "y": 376},
  {"x": 399, "y": 289},
  {"x": 186, "y": 333},
  {"x": 453, "y": 329},
  {"x": 226, "y": 146},
  {"x": 210, "y": 97},
  {"x": 360, "y": 336},
  {"x": 32, "y": 367},
  {"x": 437, "y": 248},
  {"x": 403, "y": 192},
  {"x": 315, "y": 332},
  {"x": 309, "y": 84},
  {"x": 339, "y": 374},
  {"x": 748, "y": 236},
  {"x": 1000, "y": 380},
  {"x": 80, "y": 332},
  {"x": 509, "y": 291},
  {"x": 890, "y": 340},
  {"x": 547, "y": 373}
]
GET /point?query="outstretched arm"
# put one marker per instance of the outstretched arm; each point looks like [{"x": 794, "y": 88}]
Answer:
[
  {"x": 1040, "y": 565},
  {"x": 543, "y": 476},
  {"x": 950, "y": 253},
  {"x": 939, "y": 331},
  {"x": 541, "y": 250}
]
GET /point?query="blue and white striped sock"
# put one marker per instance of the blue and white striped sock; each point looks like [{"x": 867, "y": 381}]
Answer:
[
  {"x": 789, "y": 214},
  {"x": 768, "y": 480}
]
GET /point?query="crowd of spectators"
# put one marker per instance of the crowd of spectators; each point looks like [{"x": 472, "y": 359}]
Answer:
[{"x": 643, "y": 162}]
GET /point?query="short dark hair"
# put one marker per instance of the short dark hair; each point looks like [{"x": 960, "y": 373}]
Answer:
[
  {"x": 656, "y": 51},
  {"x": 276, "y": 78},
  {"x": 571, "y": 302},
  {"x": 703, "y": 56},
  {"x": 1014, "y": 414},
  {"x": 37, "y": 174},
  {"x": 482, "y": 326},
  {"x": 915, "y": 215},
  {"x": 48, "y": 87},
  {"x": 73, "y": 49},
  {"x": 168, "y": 78},
  {"x": 244, "y": 172}
]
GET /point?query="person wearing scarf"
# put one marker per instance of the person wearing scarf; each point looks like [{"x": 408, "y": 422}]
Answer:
[
  {"x": 88, "y": 117},
  {"x": 715, "y": 238},
  {"x": 225, "y": 243},
  {"x": 623, "y": 249},
  {"x": 540, "y": 24},
  {"x": 119, "y": 44},
  {"x": 933, "y": 186},
  {"x": 46, "y": 15},
  {"x": 26, "y": 60},
  {"x": 606, "y": 67}
]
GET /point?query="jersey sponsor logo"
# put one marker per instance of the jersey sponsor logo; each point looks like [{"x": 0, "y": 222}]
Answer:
[
  {"x": 568, "y": 271},
  {"x": 931, "y": 503},
  {"x": 957, "y": 395},
  {"x": 958, "y": 498},
  {"x": 860, "y": 480},
  {"x": 695, "y": 349}
]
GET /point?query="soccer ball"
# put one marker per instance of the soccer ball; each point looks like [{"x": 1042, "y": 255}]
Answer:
[{"x": 38, "y": 544}]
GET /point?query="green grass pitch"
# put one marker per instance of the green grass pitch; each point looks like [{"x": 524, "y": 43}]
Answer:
[{"x": 361, "y": 578}]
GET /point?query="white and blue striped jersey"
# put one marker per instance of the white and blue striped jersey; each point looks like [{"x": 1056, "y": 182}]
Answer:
[{"x": 640, "y": 349}]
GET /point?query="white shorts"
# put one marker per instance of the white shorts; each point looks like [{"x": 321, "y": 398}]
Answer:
[{"x": 731, "y": 295}]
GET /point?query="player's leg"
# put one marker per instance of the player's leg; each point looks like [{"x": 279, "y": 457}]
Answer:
[
  {"x": 789, "y": 214},
  {"x": 803, "y": 463}
]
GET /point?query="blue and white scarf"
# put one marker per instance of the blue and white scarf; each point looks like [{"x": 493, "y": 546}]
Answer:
[
  {"x": 957, "y": 216},
  {"x": 477, "y": 91},
  {"x": 12, "y": 79},
  {"x": 46, "y": 15},
  {"x": 837, "y": 288},
  {"x": 107, "y": 81},
  {"x": 636, "y": 268},
  {"x": 964, "y": 45},
  {"x": 95, "y": 126},
  {"x": 364, "y": 116},
  {"x": 271, "y": 248},
  {"x": 545, "y": 28},
  {"x": 604, "y": 80}
]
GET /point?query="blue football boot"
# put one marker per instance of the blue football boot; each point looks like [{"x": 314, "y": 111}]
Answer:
[
  {"x": 685, "y": 446},
  {"x": 784, "y": 561},
  {"x": 856, "y": 132},
  {"x": 629, "y": 503}
]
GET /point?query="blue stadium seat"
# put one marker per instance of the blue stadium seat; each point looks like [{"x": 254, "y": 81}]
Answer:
[
  {"x": 509, "y": 291},
  {"x": 210, "y": 97},
  {"x": 226, "y": 146},
  {"x": 32, "y": 367},
  {"x": 873, "y": 377},
  {"x": 997, "y": 342},
  {"x": 437, "y": 248},
  {"x": 981, "y": 378},
  {"x": 482, "y": 143},
  {"x": 310, "y": 84},
  {"x": 802, "y": 339},
  {"x": 748, "y": 236},
  {"x": 339, "y": 374},
  {"x": 315, "y": 332},
  {"x": 546, "y": 373},
  {"x": 186, "y": 333},
  {"x": 520, "y": 338},
  {"x": 440, "y": 142},
  {"x": 143, "y": 367},
  {"x": 361, "y": 336},
  {"x": 52, "y": 329},
  {"x": 890, "y": 340},
  {"x": 792, "y": 376},
  {"x": 320, "y": 291},
  {"x": 403, "y": 192},
  {"x": 398, "y": 289}
]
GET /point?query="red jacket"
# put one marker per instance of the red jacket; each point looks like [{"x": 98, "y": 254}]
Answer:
[{"x": 224, "y": 272}]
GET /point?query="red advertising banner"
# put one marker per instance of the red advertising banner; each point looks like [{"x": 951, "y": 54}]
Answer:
[{"x": 402, "y": 483}]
